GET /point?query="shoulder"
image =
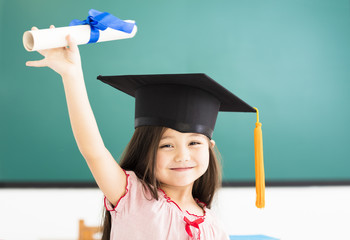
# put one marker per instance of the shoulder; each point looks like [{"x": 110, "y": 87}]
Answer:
[
  {"x": 130, "y": 175},
  {"x": 135, "y": 187},
  {"x": 210, "y": 215},
  {"x": 132, "y": 181},
  {"x": 215, "y": 225}
]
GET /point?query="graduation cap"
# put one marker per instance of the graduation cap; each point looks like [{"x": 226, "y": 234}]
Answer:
[{"x": 187, "y": 103}]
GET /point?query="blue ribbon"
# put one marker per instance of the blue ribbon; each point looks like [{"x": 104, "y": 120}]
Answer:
[{"x": 101, "y": 21}]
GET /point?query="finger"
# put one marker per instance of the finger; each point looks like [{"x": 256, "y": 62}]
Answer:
[
  {"x": 72, "y": 43},
  {"x": 40, "y": 63},
  {"x": 34, "y": 28},
  {"x": 52, "y": 26}
]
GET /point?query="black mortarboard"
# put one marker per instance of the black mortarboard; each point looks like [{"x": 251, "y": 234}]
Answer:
[{"x": 186, "y": 103}]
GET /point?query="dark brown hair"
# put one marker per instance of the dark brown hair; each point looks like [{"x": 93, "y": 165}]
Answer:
[{"x": 140, "y": 156}]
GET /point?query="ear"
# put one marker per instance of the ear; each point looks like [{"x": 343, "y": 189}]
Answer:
[{"x": 211, "y": 143}]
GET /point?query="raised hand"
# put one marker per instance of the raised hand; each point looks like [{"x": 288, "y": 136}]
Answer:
[
  {"x": 64, "y": 60},
  {"x": 105, "y": 169}
]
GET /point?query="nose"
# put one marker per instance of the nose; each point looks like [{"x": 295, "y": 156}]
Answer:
[{"x": 182, "y": 154}]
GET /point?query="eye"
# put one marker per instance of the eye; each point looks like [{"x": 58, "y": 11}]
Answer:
[
  {"x": 195, "y": 143},
  {"x": 165, "y": 146}
]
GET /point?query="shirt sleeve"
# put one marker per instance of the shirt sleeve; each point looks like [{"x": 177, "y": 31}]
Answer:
[{"x": 135, "y": 194}]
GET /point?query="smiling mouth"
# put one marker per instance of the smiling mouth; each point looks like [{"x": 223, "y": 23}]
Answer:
[{"x": 181, "y": 169}]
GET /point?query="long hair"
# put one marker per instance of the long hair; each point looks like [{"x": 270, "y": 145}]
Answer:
[{"x": 140, "y": 156}]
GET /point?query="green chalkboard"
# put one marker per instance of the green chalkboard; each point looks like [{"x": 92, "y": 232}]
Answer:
[{"x": 289, "y": 58}]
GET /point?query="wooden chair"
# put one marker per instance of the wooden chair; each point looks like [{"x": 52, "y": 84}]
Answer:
[{"x": 87, "y": 232}]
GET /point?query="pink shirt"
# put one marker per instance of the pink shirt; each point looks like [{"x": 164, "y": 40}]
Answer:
[{"x": 139, "y": 216}]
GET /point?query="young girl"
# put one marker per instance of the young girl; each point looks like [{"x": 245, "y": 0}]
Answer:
[{"x": 169, "y": 173}]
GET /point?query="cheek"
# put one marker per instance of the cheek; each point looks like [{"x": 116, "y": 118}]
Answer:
[{"x": 205, "y": 159}]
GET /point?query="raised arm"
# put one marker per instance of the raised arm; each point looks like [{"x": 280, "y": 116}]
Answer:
[{"x": 106, "y": 171}]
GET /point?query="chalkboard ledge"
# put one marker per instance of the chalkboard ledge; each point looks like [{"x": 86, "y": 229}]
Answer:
[{"x": 298, "y": 183}]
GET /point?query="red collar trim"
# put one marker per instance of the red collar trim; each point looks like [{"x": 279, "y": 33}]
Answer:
[{"x": 169, "y": 200}]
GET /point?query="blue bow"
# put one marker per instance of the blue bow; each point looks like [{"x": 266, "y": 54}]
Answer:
[{"x": 101, "y": 21}]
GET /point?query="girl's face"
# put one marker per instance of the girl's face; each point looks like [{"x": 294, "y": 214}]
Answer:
[{"x": 182, "y": 158}]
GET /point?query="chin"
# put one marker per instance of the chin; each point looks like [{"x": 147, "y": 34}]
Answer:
[{"x": 182, "y": 181}]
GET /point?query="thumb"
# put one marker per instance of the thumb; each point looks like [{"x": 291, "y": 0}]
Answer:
[{"x": 72, "y": 43}]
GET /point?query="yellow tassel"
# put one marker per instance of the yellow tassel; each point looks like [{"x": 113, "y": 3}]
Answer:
[{"x": 259, "y": 165}]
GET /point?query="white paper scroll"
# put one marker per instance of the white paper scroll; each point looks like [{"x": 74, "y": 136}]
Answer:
[{"x": 54, "y": 38}]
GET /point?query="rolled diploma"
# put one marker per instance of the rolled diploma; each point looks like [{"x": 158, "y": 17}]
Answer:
[{"x": 56, "y": 37}]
